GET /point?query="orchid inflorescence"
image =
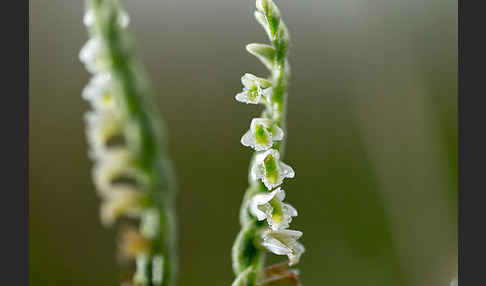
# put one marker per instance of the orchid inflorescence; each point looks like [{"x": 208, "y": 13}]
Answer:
[
  {"x": 264, "y": 217},
  {"x": 132, "y": 172}
]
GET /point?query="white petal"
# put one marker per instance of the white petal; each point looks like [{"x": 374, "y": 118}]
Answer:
[
  {"x": 100, "y": 128},
  {"x": 275, "y": 246},
  {"x": 278, "y": 134},
  {"x": 89, "y": 18},
  {"x": 287, "y": 171},
  {"x": 284, "y": 242},
  {"x": 99, "y": 91},
  {"x": 280, "y": 194},
  {"x": 283, "y": 223},
  {"x": 260, "y": 121},
  {"x": 290, "y": 210},
  {"x": 124, "y": 19},
  {"x": 275, "y": 154},
  {"x": 120, "y": 202},
  {"x": 261, "y": 4},
  {"x": 112, "y": 164},
  {"x": 243, "y": 97},
  {"x": 140, "y": 276},
  {"x": 297, "y": 252},
  {"x": 92, "y": 55},
  {"x": 149, "y": 223},
  {"x": 256, "y": 172},
  {"x": 157, "y": 269},
  {"x": 248, "y": 80},
  {"x": 247, "y": 139},
  {"x": 267, "y": 93}
]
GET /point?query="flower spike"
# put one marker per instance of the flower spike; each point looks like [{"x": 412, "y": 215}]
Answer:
[
  {"x": 266, "y": 136},
  {"x": 132, "y": 172}
]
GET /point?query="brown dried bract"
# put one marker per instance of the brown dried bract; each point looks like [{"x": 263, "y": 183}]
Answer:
[{"x": 280, "y": 273}]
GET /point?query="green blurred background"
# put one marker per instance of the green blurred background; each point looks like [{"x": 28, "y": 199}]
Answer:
[{"x": 372, "y": 137}]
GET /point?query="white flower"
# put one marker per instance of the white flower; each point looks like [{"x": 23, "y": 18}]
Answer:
[
  {"x": 157, "y": 269},
  {"x": 100, "y": 128},
  {"x": 140, "y": 276},
  {"x": 113, "y": 164},
  {"x": 284, "y": 242},
  {"x": 262, "y": 134},
  {"x": 99, "y": 91},
  {"x": 270, "y": 206},
  {"x": 150, "y": 222},
  {"x": 93, "y": 55},
  {"x": 123, "y": 19},
  {"x": 255, "y": 89},
  {"x": 89, "y": 18},
  {"x": 120, "y": 202},
  {"x": 270, "y": 169}
]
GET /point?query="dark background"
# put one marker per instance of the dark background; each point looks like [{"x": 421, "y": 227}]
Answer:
[{"x": 372, "y": 137}]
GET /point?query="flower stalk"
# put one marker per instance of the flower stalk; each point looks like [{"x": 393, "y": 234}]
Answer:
[
  {"x": 132, "y": 171},
  {"x": 264, "y": 216}
]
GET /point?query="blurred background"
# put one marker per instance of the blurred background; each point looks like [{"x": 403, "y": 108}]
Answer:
[{"x": 372, "y": 137}]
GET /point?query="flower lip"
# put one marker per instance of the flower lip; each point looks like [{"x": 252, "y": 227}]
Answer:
[{"x": 270, "y": 169}]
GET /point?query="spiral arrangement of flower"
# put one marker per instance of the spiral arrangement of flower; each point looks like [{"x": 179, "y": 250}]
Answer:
[
  {"x": 264, "y": 216},
  {"x": 132, "y": 172}
]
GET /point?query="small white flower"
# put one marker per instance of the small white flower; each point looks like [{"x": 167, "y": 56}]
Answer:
[
  {"x": 123, "y": 19},
  {"x": 284, "y": 242},
  {"x": 150, "y": 222},
  {"x": 100, "y": 128},
  {"x": 93, "y": 55},
  {"x": 255, "y": 90},
  {"x": 120, "y": 202},
  {"x": 262, "y": 134},
  {"x": 270, "y": 169},
  {"x": 113, "y": 164},
  {"x": 270, "y": 206},
  {"x": 140, "y": 276},
  {"x": 89, "y": 18},
  {"x": 99, "y": 91},
  {"x": 157, "y": 269}
]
